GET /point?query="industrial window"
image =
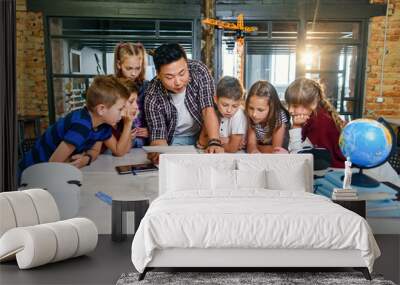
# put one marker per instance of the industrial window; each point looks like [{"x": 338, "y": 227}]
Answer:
[
  {"x": 270, "y": 54},
  {"x": 332, "y": 57},
  {"x": 81, "y": 48},
  {"x": 330, "y": 52}
]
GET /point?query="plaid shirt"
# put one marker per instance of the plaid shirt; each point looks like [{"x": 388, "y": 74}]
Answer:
[{"x": 161, "y": 114}]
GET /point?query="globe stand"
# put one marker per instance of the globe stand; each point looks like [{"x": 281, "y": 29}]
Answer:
[{"x": 363, "y": 180}]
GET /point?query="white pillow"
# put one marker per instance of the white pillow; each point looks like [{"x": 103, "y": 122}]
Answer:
[
  {"x": 223, "y": 179},
  {"x": 251, "y": 178},
  {"x": 283, "y": 173},
  {"x": 184, "y": 177},
  {"x": 293, "y": 180}
]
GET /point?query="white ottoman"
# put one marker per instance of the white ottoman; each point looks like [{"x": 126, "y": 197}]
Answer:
[{"x": 31, "y": 233}]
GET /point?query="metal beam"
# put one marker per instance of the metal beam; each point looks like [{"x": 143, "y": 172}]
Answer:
[
  {"x": 117, "y": 9},
  {"x": 301, "y": 10},
  {"x": 208, "y": 35}
]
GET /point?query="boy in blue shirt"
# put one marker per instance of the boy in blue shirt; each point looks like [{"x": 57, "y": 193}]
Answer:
[{"x": 77, "y": 138}]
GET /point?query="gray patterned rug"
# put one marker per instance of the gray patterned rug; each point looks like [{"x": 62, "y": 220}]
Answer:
[{"x": 242, "y": 278}]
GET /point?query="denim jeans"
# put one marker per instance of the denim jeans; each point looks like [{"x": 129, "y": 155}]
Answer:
[
  {"x": 139, "y": 142},
  {"x": 184, "y": 140}
]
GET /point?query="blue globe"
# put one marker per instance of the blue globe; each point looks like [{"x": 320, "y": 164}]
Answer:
[{"x": 366, "y": 142}]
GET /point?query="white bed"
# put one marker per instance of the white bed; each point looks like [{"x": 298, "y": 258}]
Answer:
[{"x": 213, "y": 212}]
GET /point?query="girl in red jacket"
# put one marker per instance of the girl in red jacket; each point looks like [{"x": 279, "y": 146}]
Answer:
[{"x": 315, "y": 122}]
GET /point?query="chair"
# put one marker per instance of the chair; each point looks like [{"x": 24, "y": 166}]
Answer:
[
  {"x": 62, "y": 180},
  {"x": 322, "y": 157},
  {"x": 31, "y": 233},
  {"x": 394, "y": 157},
  {"x": 394, "y": 160},
  {"x": 25, "y": 146}
]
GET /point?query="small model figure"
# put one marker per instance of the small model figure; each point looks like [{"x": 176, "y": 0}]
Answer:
[{"x": 347, "y": 174}]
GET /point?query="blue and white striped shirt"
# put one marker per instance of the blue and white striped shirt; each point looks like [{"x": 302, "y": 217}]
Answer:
[{"x": 76, "y": 128}]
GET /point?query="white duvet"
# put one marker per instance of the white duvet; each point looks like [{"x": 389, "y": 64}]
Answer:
[{"x": 250, "y": 219}]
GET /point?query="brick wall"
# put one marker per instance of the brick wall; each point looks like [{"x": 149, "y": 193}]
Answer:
[
  {"x": 390, "y": 107},
  {"x": 31, "y": 66}
]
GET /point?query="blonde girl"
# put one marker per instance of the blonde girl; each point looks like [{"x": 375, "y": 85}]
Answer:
[
  {"x": 315, "y": 121},
  {"x": 130, "y": 63}
]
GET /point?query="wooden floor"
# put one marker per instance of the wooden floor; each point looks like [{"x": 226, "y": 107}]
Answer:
[{"x": 111, "y": 259}]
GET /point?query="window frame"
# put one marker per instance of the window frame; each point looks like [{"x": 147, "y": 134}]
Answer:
[
  {"x": 301, "y": 42},
  {"x": 157, "y": 38}
]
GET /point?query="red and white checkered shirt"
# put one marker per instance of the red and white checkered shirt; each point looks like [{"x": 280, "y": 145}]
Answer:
[{"x": 161, "y": 114}]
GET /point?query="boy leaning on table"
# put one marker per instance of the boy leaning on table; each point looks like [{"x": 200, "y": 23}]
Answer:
[{"x": 77, "y": 138}]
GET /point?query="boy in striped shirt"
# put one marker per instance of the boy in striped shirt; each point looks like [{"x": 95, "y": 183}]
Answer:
[{"x": 77, "y": 138}]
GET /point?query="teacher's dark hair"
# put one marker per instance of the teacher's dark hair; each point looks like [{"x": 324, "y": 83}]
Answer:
[{"x": 166, "y": 54}]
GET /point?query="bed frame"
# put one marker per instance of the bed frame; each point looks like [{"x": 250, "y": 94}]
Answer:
[{"x": 242, "y": 259}]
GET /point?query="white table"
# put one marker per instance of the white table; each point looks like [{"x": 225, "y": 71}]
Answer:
[
  {"x": 102, "y": 176},
  {"x": 393, "y": 121}
]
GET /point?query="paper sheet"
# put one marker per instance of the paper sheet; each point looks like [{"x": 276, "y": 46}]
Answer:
[{"x": 171, "y": 149}]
